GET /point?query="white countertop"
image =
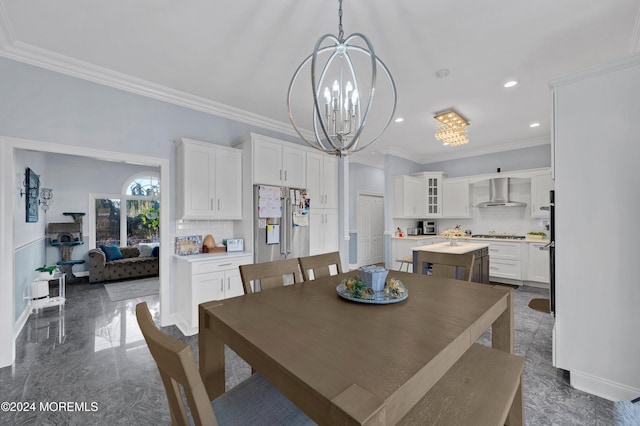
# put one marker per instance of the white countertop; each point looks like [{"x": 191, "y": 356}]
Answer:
[
  {"x": 461, "y": 248},
  {"x": 509, "y": 240},
  {"x": 213, "y": 256}
]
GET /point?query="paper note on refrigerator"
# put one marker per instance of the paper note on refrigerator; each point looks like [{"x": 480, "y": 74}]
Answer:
[
  {"x": 273, "y": 234},
  {"x": 300, "y": 219},
  {"x": 269, "y": 201}
]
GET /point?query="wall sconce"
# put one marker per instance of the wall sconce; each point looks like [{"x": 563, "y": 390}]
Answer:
[{"x": 46, "y": 198}]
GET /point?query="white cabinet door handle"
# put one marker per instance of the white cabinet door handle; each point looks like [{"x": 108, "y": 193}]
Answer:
[
  {"x": 285, "y": 175},
  {"x": 229, "y": 283},
  {"x": 280, "y": 174},
  {"x": 221, "y": 285},
  {"x": 218, "y": 204},
  {"x": 212, "y": 204}
]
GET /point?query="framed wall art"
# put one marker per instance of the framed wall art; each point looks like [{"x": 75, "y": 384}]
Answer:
[{"x": 32, "y": 189}]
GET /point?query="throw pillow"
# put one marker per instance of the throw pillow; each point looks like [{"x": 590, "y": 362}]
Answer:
[
  {"x": 156, "y": 251},
  {"x": 111, "y": 252},
  {"x": 145, "y": 250}
]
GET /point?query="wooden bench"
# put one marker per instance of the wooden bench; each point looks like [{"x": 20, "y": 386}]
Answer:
[{"x": 483, "y": 388}]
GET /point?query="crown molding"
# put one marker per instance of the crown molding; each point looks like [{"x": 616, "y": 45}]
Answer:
[
  {"x": 26, "y": 53},
  {"x": 626, "y": 61}
]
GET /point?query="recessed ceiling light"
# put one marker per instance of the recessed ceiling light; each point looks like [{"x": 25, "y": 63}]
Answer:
[
  {"x": 399, "y": 120},
  {"x": 534, "y": 124},
  {"x": 442, "y": 73},
  {"x": 510, "y": 83}
]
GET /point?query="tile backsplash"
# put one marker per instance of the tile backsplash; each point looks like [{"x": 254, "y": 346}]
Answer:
[
  {"x": 512, "y": 220},
  {"x": 219, "y": 229}
]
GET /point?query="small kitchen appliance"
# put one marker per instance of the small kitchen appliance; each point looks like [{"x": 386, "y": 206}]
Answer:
[
  {"x": 428, "y": 227},
  {"x": 414, "y": 231}
]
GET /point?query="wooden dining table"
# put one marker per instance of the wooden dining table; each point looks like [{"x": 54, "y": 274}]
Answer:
[{"x": 344, "y": 362}]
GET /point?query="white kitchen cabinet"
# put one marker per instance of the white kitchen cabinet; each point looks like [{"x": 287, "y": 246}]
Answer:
[
  {"x": 408, "y": 197},
  {"x": 278, "y": 163},
  {"x": 208, "y": 181},
  {"x": 322, "y": 180},
  {"x": 455, "y": 198},
  {"x": 505, "y": 260},
  {"x": 323, "y": 231},
  {"x": 432, "y": 198},
  {"x": 541, "y": 184},
  {"x": 538, "y": 263},
  {"x": 203, "y": 278}
]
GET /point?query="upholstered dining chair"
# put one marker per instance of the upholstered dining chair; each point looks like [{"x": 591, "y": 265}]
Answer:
[
  {"x": 319, "y": 265},
  {"x": 269, "y": 274},
  {"x": 253, "y": 401},
  {"x": 444, "y": 264}
]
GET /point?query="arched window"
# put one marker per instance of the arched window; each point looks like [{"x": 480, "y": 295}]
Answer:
[
  {"x": 143, "y": 185},
  {"x": 140, "y": 203}
]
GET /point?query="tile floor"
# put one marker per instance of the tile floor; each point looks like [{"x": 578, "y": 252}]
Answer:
[{"x": 94, "y": 357}]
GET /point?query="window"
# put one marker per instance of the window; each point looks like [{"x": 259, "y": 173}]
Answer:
[{"x": 135, "y": 213}]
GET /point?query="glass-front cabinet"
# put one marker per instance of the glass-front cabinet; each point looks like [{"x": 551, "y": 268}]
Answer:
[{"x": 433, "y": 193}]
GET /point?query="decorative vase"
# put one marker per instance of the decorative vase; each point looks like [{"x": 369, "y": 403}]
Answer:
[{"x": 453, "y": 241}]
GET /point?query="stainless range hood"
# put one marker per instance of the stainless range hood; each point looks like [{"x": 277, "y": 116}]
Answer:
[{"x": 499, "y": 194}]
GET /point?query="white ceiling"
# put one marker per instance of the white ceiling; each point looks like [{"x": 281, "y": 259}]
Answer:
[{"x": 236, "y": 58}]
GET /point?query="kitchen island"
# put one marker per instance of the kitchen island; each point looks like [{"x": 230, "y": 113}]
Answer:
[{"x": 480, "y": 273}]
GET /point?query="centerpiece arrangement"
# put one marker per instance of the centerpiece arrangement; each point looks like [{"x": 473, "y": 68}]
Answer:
[
  {"x": 453, "y": 235},
  {"x": 370, "y": 286}
]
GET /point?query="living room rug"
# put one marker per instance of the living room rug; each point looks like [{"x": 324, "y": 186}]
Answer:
[
  {"x": 541, "y": 305},
  {"x": 132, "y": 289}
]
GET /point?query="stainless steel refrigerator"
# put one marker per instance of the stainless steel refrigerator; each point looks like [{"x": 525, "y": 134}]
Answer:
[{"x": 280, "y": 223}]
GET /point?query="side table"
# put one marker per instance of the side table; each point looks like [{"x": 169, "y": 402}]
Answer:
[{"x": 59, "y": 300}]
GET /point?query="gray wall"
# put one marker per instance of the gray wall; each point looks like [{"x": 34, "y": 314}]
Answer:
[
  {"x": 518, "y": 159},
  {"x": 41, "y": 105}
]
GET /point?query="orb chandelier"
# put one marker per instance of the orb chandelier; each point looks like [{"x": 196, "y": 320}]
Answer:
[
  {"x": 451, "y": 128},
  {"x": 341, "y": 102}
]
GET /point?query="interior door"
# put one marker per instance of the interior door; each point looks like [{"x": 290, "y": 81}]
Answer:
[{"x": 370, "y": 229}]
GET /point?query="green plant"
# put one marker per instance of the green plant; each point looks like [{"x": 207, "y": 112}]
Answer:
[
  {"x": 151, "y": 219},
  {"x": 542, "y": 234},
  {"x": 44, "y": 268}
]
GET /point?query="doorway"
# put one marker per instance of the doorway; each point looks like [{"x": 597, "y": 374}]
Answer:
[
  {"x": 8, "y": 146},
  {"x": 370, "y": 212}
]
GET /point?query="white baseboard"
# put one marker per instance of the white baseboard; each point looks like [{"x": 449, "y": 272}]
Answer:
[
  {"x": 22, "y": 320},
  {"x": 603, "y": 388}
]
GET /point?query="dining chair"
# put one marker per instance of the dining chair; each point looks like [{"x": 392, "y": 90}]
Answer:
[
  {"x": 269, "y": 275},
  {"x": 320, "y": 265},
  {"x": 254, "y": 401},
  {"x": 445, "y": 265}
]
